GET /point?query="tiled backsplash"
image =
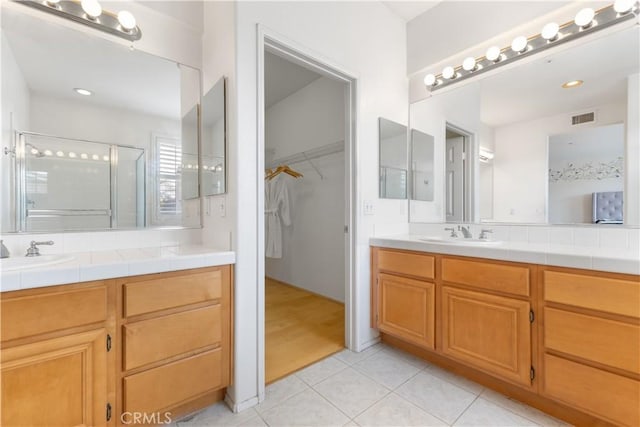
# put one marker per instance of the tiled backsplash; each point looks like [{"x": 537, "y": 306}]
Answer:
[
  {"x": 103, "y": 240},
  {"x": 604, "y": 236}
]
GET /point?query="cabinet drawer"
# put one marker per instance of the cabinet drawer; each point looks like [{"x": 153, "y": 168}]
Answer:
[
  {"x": 407, "y": 309},
  {"x": 169, "y": 292},
  {"x": 510, "y": 279},
  {"x": 168, "y": 385},
  {"x": 604, "y": 341},
  {"x": 597, "y": 293},
  {"x": 592, "y": 390},
  {"x": 406, "y": 263},
  {"x": 52, "y": 311},
  {"x": 163, "y": 337}
]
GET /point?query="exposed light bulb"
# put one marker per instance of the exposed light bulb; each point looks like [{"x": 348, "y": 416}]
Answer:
[
  {"x": 60, "y": 153},
  {"x": 623, "y": 6},
  {"x": 105, "y": 158},
  {"x": 92, "y": 8},
  {"x": 126, "y": 20},
  {"x": 550, "y": 31},
  {"x": 84, "y": 156},
  {"x": 493, "y": 54},
  {"x": 72, "y": 155},
  {"x": 519, "y": 44},
  {"x": 95, "y": 157},
  {"x": 52, "y": 3},
  {"x": 584, "y": 17},
  {"x": 48, "y": 153},
  {"x": 448, "y": 72},
  {"x": 429, "y": 80},
  {"x": 34, "y": 151},
  {"x": 469, "y": 64},
  {"x": 205, "y": 167}
]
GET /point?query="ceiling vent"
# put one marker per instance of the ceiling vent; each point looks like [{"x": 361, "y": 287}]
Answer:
[{"x": 583, "y": 118}]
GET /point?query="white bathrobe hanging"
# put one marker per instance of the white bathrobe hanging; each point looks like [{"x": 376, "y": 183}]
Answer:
[{"x": 276, "y": 213}]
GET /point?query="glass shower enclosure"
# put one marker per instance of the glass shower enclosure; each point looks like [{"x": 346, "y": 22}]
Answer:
[{"x": 72, "y": 184}]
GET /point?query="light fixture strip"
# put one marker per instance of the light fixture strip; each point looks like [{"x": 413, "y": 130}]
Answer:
[
  {"x": 568, "y": 31},
  {"x": 71, "y": 9}
]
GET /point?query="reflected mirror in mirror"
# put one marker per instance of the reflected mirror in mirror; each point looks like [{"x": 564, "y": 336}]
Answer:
[
  {"x": 92, "y": 131},
  {"x": 421, "y": 166},
  {"x": 393, "y": 159},
  {"x": 213, "y": 172},
  {"x": 514, "y": 117}
]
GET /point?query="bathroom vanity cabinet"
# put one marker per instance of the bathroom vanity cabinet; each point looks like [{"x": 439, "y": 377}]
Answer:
[
  {"x": 564, "y": 340},
  {"x": 99, "y": 353}
]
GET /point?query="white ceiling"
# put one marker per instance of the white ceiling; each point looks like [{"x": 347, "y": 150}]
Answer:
[
  {"x": 534, "y": 90},
  {"x": 283, "y": 78},
  {"x": 188, "y": 12},
  {"x": 55, "y": 59},
  {"x": 408, "y": 10}
]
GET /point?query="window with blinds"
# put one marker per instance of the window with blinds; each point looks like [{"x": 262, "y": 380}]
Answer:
[{"x": 168, "y": 164}]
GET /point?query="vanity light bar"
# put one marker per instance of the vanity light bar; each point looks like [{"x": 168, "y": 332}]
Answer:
[
  {"x": 587, "y": 21},
  {"x": 90, "y": 13}
]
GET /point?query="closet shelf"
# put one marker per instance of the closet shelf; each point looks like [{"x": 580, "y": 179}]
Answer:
[{"x": 309, "y": 155}]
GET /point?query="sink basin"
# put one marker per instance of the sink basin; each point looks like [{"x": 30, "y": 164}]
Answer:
[
  {"x": 459, "y": 241},
  {"x": 22, "y": 263}
]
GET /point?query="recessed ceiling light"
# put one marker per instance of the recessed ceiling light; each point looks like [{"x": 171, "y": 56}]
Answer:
[
  {"x": 572, "y": 83},
  {"x": 81, "y": 91}
]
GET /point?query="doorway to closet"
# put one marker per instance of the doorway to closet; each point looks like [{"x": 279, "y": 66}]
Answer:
[{"x": 306, "y": 213}]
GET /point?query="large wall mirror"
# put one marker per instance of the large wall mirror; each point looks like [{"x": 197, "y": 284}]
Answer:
[
  {"x": 542, "y": 149},
  {"x": 214, "y": 140},
  {"x": 95, "y": 135}
]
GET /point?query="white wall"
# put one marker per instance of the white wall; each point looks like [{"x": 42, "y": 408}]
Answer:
[
  {"x": 365, "y": 40},
  {"x": 15, "y": 115},
  {"x": 520, "y": 165},
  {"x": 313, "y": 245}
]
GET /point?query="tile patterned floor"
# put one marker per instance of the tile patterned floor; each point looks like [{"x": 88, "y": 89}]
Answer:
[{"x": 380, "y": 386}]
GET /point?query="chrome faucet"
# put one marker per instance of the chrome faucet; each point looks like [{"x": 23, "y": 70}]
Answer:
[
  {"x": 34, "y": 250},
  {"x": 483, "y": 234},
  {"x": 465, "y": 232},
  {"x": 453, "y": 232},
  {"x": 4, "y": 252}
]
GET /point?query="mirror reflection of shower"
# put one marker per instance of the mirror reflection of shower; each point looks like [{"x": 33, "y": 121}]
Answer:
[{"x": 71, "y": 184}]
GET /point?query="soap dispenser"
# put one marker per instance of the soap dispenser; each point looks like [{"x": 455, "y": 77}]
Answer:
[{"x": 4, "y": 252}]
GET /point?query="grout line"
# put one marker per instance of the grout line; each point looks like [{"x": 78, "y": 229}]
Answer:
[
  {"x": 331, "y": 403},
  {"x": 465, "y": 410},
  {"x": 511, "y": 410},
  {"x": 422, "y": 409}
]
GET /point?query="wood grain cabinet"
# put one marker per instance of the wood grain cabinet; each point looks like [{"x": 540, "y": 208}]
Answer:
[
  {"x": 54, "y": 356},
  {"x": 406, "y": 293},
  {"x": 98, "y": 353}
]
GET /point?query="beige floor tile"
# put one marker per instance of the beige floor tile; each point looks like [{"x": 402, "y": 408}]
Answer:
[
  {"x": 350, "y": 357},
  {"x": 461, "y": 382},
  {"x": 219, "y": 415},
  {"x": 305, "y": 409},
  {"x": 321, "y": 371},
  {"x": 484, "y": 413},
  {"x": 393, "y": 410},
  {"x": 387, "y": 369},
  {"x": 522, "y": 409},
  {"x": 280, "y": 391}
]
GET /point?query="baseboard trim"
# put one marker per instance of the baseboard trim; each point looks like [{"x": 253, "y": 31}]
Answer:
[{"x": 239, "y": 407}]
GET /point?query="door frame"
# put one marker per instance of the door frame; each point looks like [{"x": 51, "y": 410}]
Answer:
[
  {"x": 471, "y": 171},
  {"x": 273, "y": 42}
]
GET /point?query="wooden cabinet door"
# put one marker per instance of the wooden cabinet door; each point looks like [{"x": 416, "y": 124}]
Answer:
[
  {"x": 407, "y": 309},
  {"x": 489, "y": 332},
  {"x": 56, "y": 382}
]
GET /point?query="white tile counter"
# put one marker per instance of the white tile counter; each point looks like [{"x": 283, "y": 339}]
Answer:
[
  {"x": 591, "y": 258},
  {"x": 87, "y": 266}
]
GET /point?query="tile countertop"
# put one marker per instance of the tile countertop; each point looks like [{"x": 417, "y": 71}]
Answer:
[
  {"x": 590, "y": 258},
  {"x": 87, "y": 266}
]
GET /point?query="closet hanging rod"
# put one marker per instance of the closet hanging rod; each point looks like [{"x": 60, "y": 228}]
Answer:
[{"x": 307, "y": 156}]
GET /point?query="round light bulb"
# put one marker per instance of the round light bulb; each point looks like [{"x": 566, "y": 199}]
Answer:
[
  {"x": 623, "y": 6},
  {"x": 519, "y": 44},
  {"x": 72, "y": 155},
  {"x": 584, "y": 18},
  {"x": 52, "y": 3},
  {"x": 493, "y": 54},
  {"x": 84, "y": 156},
  {"x": 550, "y": 31},
  {"x": 429, "y": 80},
  {"x": 92, "y": 8},
  {"x": 448, "y": 72},
  {"x": 126, "y": 20},
  {"x": 60, "y": 153},
  {"x": 95, "y": 157},
  {"x": 105, "y": 158},
  {"x": 34, "y": 151},
  {"x": 469, "y": 64},
  {"x": 48, "y": 153}
]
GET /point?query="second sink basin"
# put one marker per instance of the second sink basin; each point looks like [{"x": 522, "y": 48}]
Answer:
[
  {"x": 21, "y": 263},
  {"x": 459, "y": 241}
]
